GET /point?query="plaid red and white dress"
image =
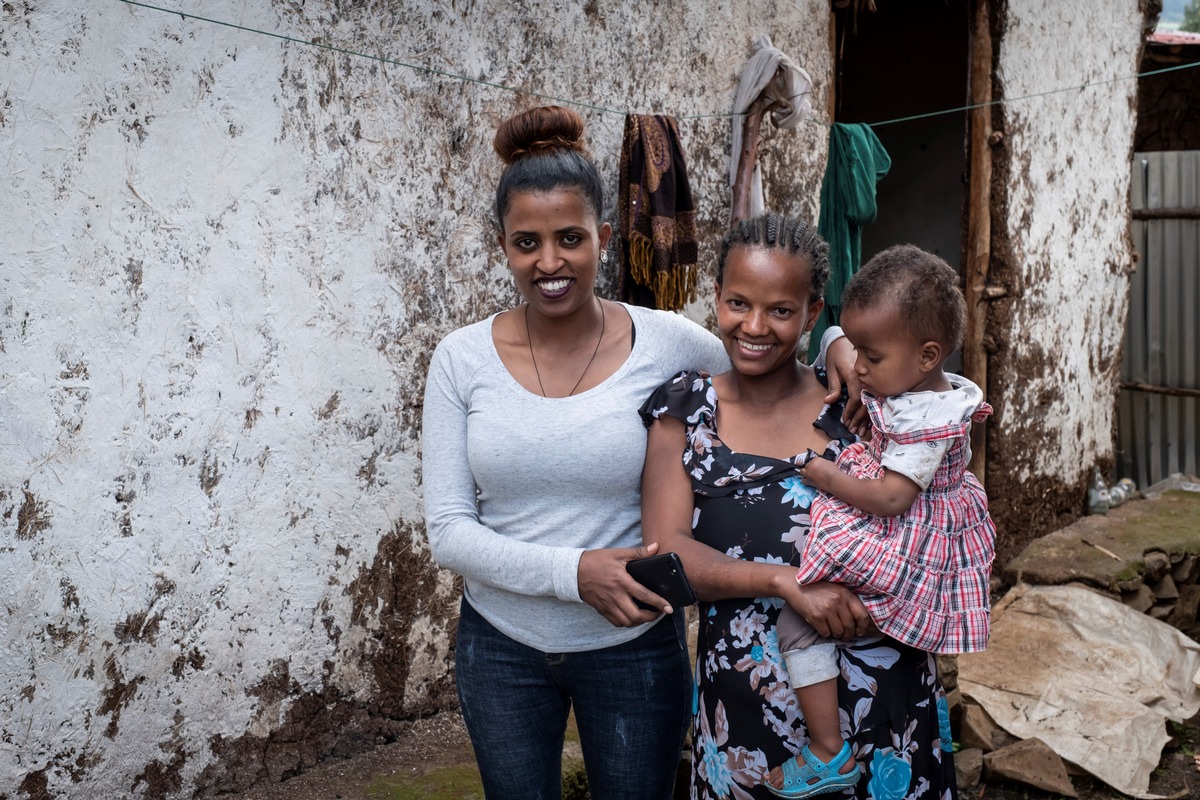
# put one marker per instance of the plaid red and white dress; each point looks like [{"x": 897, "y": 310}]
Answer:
[{"x": 923, "y": 575}]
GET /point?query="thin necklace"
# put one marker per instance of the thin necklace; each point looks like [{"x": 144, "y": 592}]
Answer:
[{"x": 586, "y": 367}]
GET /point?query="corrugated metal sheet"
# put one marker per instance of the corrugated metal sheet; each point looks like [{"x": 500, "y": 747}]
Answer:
[
  {"x": 1174, "y": 38},
  {"x": 1159, "y": 408}
]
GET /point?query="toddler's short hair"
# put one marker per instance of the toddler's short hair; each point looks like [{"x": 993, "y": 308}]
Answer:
[{"x": 920, "y": 286}]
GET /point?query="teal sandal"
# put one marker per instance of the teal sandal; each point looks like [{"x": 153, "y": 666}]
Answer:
[{"x": 798, "y": 780}]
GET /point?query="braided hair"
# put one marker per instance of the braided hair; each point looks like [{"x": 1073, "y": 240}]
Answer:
[{"x": 772, "y": 231}]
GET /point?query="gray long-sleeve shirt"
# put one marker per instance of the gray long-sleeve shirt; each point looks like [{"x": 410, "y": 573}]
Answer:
[{"x": 517, "y": 486}]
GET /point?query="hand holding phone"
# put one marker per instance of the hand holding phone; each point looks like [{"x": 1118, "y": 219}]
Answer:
[{"x": 662, "y": 574}]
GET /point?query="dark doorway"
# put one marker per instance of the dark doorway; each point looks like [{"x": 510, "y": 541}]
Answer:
[
  {"x": 907, "y": 58},
  {"x": 1168, "y": 116}
]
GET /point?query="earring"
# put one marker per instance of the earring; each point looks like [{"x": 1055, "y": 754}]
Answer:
[{"x": 603, "y": 256}]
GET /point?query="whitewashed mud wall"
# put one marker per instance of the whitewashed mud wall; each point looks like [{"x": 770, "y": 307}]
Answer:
[
  {"x": 1062, "y": 249},
  {"x": 225, "y": 259}
]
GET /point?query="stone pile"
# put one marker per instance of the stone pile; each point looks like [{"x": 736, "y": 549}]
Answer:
[
  {"x": 990, "y": 753},
  {"x": 1168, "y": 589},
  {"x": 1146, "y": 553}
]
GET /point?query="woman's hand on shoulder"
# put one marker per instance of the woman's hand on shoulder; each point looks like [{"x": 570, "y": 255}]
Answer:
[
  {"x": 606, "y": 586},
  {"x": 839, "y": 359}
]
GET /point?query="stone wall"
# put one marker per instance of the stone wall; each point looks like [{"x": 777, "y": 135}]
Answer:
[{"x": 225, "y": 258}]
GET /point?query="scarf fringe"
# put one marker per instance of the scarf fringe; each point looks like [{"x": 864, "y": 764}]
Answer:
[{"x": 672, "y": 289}]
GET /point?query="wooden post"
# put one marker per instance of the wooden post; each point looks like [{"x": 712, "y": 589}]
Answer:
[
  {"x": 979, "y": 222},
  {"x": 751, "y": 134}
]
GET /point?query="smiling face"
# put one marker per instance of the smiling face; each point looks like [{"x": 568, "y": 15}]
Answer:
[
  {"x": 890, "y": 360},
  {"x": 764, "y": 307},
  {"x": 553, "y": 242}
]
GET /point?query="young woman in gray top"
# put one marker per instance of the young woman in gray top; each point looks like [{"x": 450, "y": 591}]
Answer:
[{"x": 532, "y": 458}]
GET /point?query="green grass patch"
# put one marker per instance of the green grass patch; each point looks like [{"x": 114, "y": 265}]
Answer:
[
  {"x": 450, "y": 783},
  {"x": 1185, "y": 737},
  {"x": 1130, "y": 573},
  {"x": 463, "y": 783}
]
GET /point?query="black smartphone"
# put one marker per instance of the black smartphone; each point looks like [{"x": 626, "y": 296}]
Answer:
[{"x": 662, "y": 574}]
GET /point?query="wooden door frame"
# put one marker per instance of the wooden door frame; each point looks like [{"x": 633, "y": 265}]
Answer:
[{"x": 979, "y": 221}]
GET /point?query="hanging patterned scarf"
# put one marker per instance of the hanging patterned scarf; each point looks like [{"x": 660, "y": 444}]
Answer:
[{"x": 657, "y": 217}]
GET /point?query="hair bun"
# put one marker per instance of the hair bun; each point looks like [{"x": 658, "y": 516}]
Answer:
[{"x": 539, "y": 130}]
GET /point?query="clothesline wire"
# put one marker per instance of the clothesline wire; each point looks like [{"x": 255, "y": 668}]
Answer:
[
  {"x": 394, "y": 62},
  {"x": 607, "y": 110},
  {"x": 1033, "y": 95}
]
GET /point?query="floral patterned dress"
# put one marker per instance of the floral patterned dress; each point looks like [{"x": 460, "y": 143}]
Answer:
[{"x": 893, "y": 709}]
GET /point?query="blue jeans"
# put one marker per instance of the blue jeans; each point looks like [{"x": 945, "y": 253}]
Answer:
[{"x": 632, "y": 705}]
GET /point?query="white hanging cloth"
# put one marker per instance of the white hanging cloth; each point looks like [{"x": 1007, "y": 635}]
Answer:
[{"x": 791, "y": 95}]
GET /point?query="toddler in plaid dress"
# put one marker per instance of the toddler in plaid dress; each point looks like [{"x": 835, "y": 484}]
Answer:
[{"x": 898, "y": 519}]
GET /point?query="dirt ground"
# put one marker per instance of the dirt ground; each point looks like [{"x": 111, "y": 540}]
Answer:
[{"x": 432, "y": 761}]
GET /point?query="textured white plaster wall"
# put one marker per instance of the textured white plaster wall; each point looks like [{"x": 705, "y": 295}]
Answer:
[
  {"x": 224, "y": 261},
  {"x": 1064, "y": 243}
]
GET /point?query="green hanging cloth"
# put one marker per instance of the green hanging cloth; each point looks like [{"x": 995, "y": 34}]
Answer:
[{"x": 857, "y": 161}]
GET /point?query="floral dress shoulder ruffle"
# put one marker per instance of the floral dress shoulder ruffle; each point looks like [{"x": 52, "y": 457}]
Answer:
[
  {"x": 715, "y": 469},
  {"x": 893, "y": 708}
]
